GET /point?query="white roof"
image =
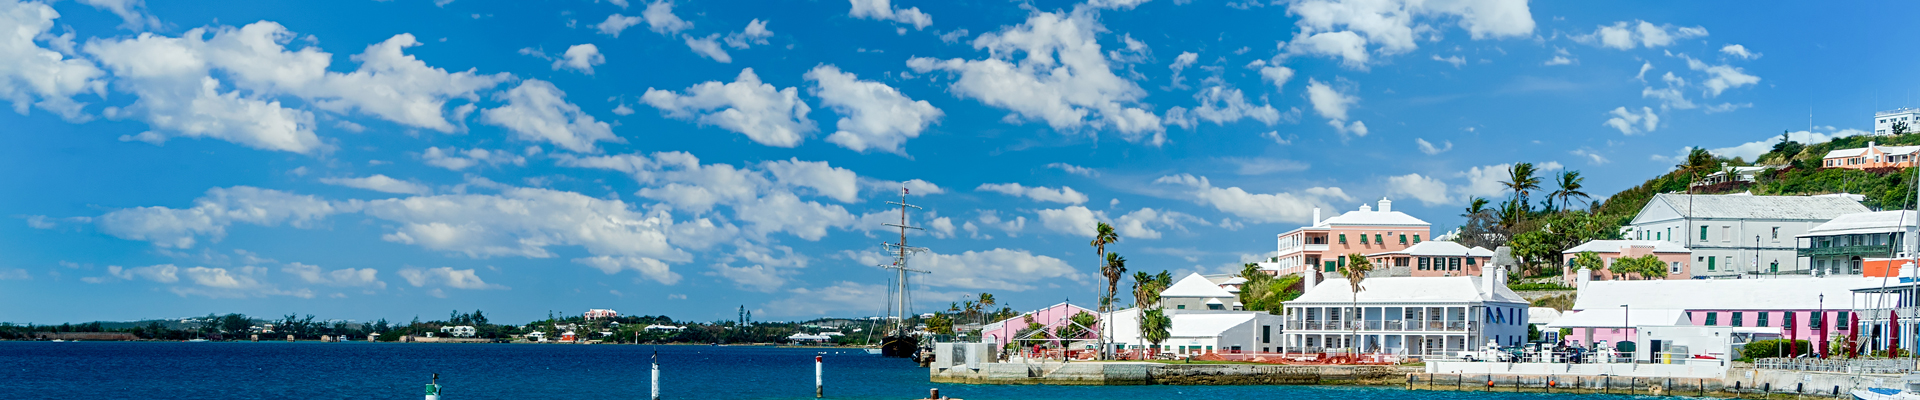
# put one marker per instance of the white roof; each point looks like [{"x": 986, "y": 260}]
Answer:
[
  {"x": 1456, "y": 289},
  {"x": 1542, "y": 315},
  {"x": 1367, "y": 216},
  {"x": 1614, "y": 317},
  {"x": 1860, "y": 151},
  {"x": 1195, "y": 285},
  {"x": 1614, "y": 246},
  {"x": 1206, "y": 324},
  {"x": 1481, "y": 252},
  {"x": 1438, "y": 248},
  {"x": 1722, "y": 294},
  {"x": 1867, "y": 222},
  {"x": 1760, "y": 207},
  {"x": 1853, "y": 152}
]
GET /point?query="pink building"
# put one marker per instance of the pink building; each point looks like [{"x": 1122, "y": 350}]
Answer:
[
  {"x": 1433, "y": 258},
  {"x": 1003, "y": 331},
  {"x": 600, "y": 313},
  {"x": 1871, "y": 157},
  {"x": 1757, "y": 308},
  {"x": 1678, "y": 259},
  {"x": 1324, "y": 246}
]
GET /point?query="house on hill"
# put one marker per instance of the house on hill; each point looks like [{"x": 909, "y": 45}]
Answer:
[
  {"x": 1736, "y": 235},
  {"x": 1873, "y": 156}
]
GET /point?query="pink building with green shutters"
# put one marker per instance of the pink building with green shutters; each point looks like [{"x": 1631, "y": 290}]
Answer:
[
  {"x": 1324, "y": 246},
  {"x": 1800, "y": 308}
]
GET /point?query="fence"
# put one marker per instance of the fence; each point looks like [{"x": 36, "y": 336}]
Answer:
[{"x": 1893, "y": 366}]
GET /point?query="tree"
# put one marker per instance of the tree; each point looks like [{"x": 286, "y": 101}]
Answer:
[
  {"x": 1482, "y": 228},
  {"x": 985, "y": 301},
  {"x": 1650, "y": 267},
  {"x": 940, "y": 324},
  {"x": 1114, "y": 269},
  {"x": 1588, "y": 260},
  {"x": 1263, "y": 292},
  {"x": 1570, "y": 184},
  {"x": 1146, "y": 297},
  {"x": 1102, "y": 236},
  {"x": 1155, "y": 327},
  {"x": 1522, "y": 182},
  {"x": 1900, "y": 128},
  {"x": 1356, "y": 270}
]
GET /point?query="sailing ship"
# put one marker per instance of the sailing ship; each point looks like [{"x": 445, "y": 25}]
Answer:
[{"x": 900, "y": 341}]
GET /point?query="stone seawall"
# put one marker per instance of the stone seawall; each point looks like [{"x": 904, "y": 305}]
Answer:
[
  {"x": 1139, "y": 373},
  {"x": 1740, "y": 382}
]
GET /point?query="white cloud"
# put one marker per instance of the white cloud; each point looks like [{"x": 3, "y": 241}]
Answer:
[
  {"x": 1644, "y": 67},
  {"x": 617, "y": 23},
  {"x": 768, "y": 115},
  {"x": 708, "y": 47},
  {"x": 1752, "y": 150},
  {"x": 1181, "y": 62},
  {"x": 1116, "y": 4},
  {"x": 838, "y": 183},
  {"x": 1075, "y": 169},
  {"x": 991, "y": 219},
  {"x": 15, "y": 274},
  {"x": 538, "y": 111},
  {"x": 1558, "y": 60},
  {"x": 873, "y": 115},
  {"x": 954, "y": 36},
  {"x": 1221, "y": 105},
  {"x": 661, "y": 20},
  {"x": 1277, "y": 75},
  {"x": 456, "y": 159},
  {"x": 1625, "y": 35},
  {"x": 133, "y": 12},
  {"x": 448, "y": 277},
  {"x": 1061, "y": 77},
  {"x": 1075, "y": 220},
  {"x": 763, "y": 199},
  {"x": 755, "y": 33},
  {"x": 240, "y": 282},
  {"x": 1720, "y": 77},
  {"x": 1259, "y": 207},
  {"x": 1632, "y": 124},
  {"x": 380, "y": 183},
  {"x": 763, "y": 268},
  {"x": 844, "y": 297},
  {"x": 211, "y": 214},
  {"x": 1333, "y": 104},
  {"x": 884, "y": 10},
  {"x": 651, "y": 268},
  {"x": 1484, "y": 181},
  {"x": 1592, "y": 157},
  {"x": 1345, "y": 28},
  {"x": 1739, "y": 51},
  {"x": 1456, "y": 60},
  {"x": 31, "y": 75},
  {"x": 580, "y": 57},
  {"x": 1263, "y": 165},
  {"x": 361, "y": 277},
  {"x": 997, "y": 269},
  {"x": 526, "y": 222},
  {"x": 1428, "y": 190},
  {"x": 1430, "y": 149},
  {"x": 1061, "y": 195}
]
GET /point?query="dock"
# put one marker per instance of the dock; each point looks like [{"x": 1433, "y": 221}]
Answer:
[{"x": 1150, "y": 373}]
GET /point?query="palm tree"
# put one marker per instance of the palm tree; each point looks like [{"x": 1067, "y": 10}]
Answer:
[
  {"x": 1356, "y": 270},
  {"x": 1155, "y": 327},
  {"x": 1114, "y": 269},
  {"x": 986, "y": 303},
  {"x": 1146, "y": 297},
  {"x": 1570, "y": 183},
  {"x": 1475, "y": 205},
  {"x": 1102, "y": 236},
  {"x": 1521, "y": 181}
]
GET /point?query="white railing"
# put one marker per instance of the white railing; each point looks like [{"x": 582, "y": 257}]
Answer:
[{"x": 1869, "y": 366}]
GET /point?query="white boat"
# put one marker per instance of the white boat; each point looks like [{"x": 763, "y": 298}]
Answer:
[
  {"x": 196, "y": 340},
  {"x": 873, "y": 351},
  {"x": 59, "y": 341},
  {"x": 1910, "y": 390}
]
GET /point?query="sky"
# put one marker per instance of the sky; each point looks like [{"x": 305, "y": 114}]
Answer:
[{"x": 359, "y": 159}]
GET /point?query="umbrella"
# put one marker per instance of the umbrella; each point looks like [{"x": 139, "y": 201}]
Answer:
[
  {"x": 1853, "y": 336},
  {"x": 1893, "y": 333}
]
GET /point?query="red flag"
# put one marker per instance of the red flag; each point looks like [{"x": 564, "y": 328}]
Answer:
[{"x": 1853, "y": 335}]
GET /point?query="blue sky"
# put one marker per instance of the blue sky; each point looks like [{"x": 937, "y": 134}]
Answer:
[{"x": 367, "y": 159}]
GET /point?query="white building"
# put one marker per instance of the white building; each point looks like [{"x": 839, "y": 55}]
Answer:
[
  {"x": 462, "y": 331},
  {"x": 537, "y": 336},
  {"x": 1840, "y": 246},
  {"x": 1413, "y": 316},
  {"x": 1883, "y": 121},
  {"x": 665, "y": 328},
  {"x": 1737, "y": 234},
  {"x": 1206, "y": 318},
  {"x": 600, "y": 313},
  {"x": 1196, "y": 292}
]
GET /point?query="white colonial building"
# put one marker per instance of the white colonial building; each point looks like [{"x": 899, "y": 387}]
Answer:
[
  {"x": 1206, "y": 319},
  {"x": 1411, "y": 316},
  {"x": 1841, "y": 246},
  {"x": 1737, "y": 234},
  {"x": 1883, "y": 121}
]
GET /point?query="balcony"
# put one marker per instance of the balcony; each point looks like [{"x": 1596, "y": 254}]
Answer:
[
  {"x": 1864, "y": 251},
  {"x": 1381, "y": 326}
]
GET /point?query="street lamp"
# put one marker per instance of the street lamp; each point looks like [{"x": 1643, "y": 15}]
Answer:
[{"x": 1626, "y": 320}]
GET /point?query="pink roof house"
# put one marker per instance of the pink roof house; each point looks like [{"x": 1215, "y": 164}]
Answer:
[{"x": 1001, "y": 332}]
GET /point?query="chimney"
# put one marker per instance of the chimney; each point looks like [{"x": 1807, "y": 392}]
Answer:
[
  {"x": 1581, "y": 278},
  {"x": 1364, "y": 207},
  {"x": 1316, "y": 216},
  {"x": 1386, "y": 205},
  {"x": 1309, "y": 278},
  {"x": 1487, "y": 282}
]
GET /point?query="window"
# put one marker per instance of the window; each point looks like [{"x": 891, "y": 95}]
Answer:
[
  {"x": 1710, "y": 265},
  {"x": 1776, "y": 234},
  {"x": 1726, "y": 233},
  {"x": 1343, "y": 236},
  {"x": 1453, "y": 263},
  {"x": 1403, "y": 238},
  {"x": 1703, "y": 232},
  {"x": 1470, "y": 261},
  {"x": 1713, "y": 319},
  {"x": 1423, "y": 263},
  {"x": 1363, "y": 238},
  {"x": 1814, "y": 320},
  {"x": 1329, "y": 266},
  {"x": 1376, "y": 239},
  {"x": 1674, "y": 268},
  {"x": 1737, "y": 317},
  {"x": 1416, "y": 238},
  {"x": 1180, "y": 307},
  {"x": 1266, "y": 334},
  {"x": 1842, "y": 323},
  {"x": 1400, "y": 261},
  {"x": 1763, "y": 319}
]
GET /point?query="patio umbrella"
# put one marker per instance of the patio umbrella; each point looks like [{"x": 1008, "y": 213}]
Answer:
[
  {"x": 1823, "y": 335},
  {"x": 1893, "y": 333},
  {"x": 1853, "y": 336}
]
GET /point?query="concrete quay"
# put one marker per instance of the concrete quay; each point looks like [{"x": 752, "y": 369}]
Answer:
[
  {"x": 1739, "y": 381},
  {"x": 1146, "y": 373}
]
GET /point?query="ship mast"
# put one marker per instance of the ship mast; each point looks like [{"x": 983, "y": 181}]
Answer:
[{"x": 901, "y": 251}]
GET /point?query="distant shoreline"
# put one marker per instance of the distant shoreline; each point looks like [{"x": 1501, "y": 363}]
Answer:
[{"x": 773, "y": 345}]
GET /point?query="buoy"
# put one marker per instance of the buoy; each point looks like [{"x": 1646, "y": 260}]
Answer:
[
  {"x": 433, "y": 389},
  {"x": 819, "y": 388},
  {"x": 656, "y": 375}
]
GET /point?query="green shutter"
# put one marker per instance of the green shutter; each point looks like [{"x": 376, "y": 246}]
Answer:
[
  {"x": 1703, "y": 233},
  {"x": 1343, "y": 238},
  {"x": 1713, "y": 318},
  {"x": 1416, "y": 238},
  {"x": 1376, "y": 239},
  {"x": 1403, "y": 239},
  {"x": 1710, "y": 261}
]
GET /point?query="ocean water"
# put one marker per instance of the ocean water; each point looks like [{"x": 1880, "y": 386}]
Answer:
[{"x": 279, "y": 370}]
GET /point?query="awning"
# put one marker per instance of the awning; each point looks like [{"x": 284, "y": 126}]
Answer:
[{"x": 1613, "y": 318}]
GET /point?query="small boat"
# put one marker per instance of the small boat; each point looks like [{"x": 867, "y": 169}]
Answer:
[
  {"x": 59, "y": 341},
  {"x": 873, "y": 351},
  {"x": 1910, "y": 391},
  {"x": 195, "y": 340}
]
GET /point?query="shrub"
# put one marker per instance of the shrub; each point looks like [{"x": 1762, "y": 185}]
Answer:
[{"x": 1772, "y": 348}]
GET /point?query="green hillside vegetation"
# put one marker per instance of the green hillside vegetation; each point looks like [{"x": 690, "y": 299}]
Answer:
[{"x": 1539, "y": 230}]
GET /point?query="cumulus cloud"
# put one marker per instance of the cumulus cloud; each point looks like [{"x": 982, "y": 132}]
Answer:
[
  {"x": 1753, "y": 150},
  {"x": 997, "y": 269},
  {"x": 240, "y": 282},
  {"x": 1720, "y": 77},
  {"x": 842, "y": 297},
  {"x": 1180, "y": 63},
  {"x": 767, "y": 115},
  {"x": 212, "y": 214},
  {"x": 1428, "y": 190},
  {"x": 1430, "y": 149},
  {"x": 35, "y": 76},
  {"x": 456, "y": 159},
  {"x": 1051, "y": 69},
  {"x": 1625, "y": 35},
  {"x": 447, "y": 277},
  {"x": 1221, "y": 105},
  {"x": 1346, "y": 29},
  {"x": 661, "y": 20},
  {"x": 1484, "y": 181},
  {"x": 1075, "y": 169},
  {"x": 1144, "y": 223},
  {"x": 1262, "y": 165},
  {"x": 873, "y": 115},
  {"x": 538, "y": 111},
  {"x": 1259, "y": 207},
  {"x": 1630, "y": 123},
  {"x": 755, "y": 33},
  {"x": 351, "y": 277},
  {"x": 380, "y": 183},
  {"x": 1333, "y": 104},
  {"x": 1277, "y": 75},
  {"x": 648, "y": 267},
  {"x": 1061, "y": 195},
  {"x": 884, "y": 10},
  {"x": 526, "y": 222},
  {"x": 133, "y": 12},
  {"x": 1739, "y": 51},
  {"x": 617, "y": 23},
  {"x": 764, "y": 198},
  {"x": 708, "y": 47},
  {"x": 1116, "y": 4},
  {"x": 580, "y": 57}
]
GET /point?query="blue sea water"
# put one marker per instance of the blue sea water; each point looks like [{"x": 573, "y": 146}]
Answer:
[{"x": 308, "y": 370}]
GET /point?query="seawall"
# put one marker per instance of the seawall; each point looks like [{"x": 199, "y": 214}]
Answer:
[{"x": 1144, "y": 373}]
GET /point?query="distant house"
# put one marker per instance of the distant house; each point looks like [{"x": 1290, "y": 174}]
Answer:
[
  {"x": 1739, "y": 174},
  {"x": 1196, "y": 292},
  {"x": 598, "y": 313},
  {"x": 804, "y": 337},
  {"x": 1736, "y": 234},
  {"x": 537, "y": 336},
  {"x": 1871, "y": 157},
  {"x": 664, "y": 328},
  {"x": 1431, "y": 258},
  {"x": 1324, "y": 246},
  {"x": 1849, "y": 244},
  {"x": 1678, "y": 259},
  {"x": 1002, "y": 332}
]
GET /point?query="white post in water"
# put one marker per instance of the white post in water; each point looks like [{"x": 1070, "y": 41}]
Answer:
[
  {"x": 819, "y": 389},
  {"x": 656, "y": 375},
  {"x": 433, "y": 389}
]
